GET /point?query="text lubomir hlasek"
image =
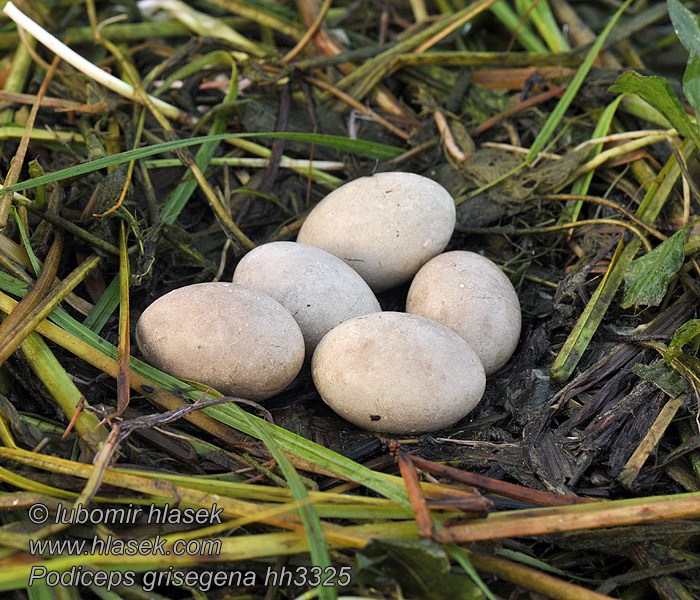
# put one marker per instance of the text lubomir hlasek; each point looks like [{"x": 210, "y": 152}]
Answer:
[{"x": 129, "y": 515}]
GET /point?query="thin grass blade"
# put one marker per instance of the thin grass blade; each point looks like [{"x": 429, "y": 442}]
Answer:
[
  {"x": 124, "y": 348},
  {"x": 574, "y": 87},
  {"x": 364, "y": 148}
]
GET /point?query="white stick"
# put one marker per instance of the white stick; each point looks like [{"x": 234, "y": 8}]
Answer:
[
  {"x": 286, "y": 163},
  {"x": 85, "y": 66}
]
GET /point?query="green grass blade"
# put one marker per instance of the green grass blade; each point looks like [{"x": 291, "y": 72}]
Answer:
[
  {"x": 104, "y": 594},
  {"x": 459, "y": 555},
  {"x": 41, "y": 591},
  {"x": 601, "y": 129},
  {"x": 511, "y": 20},
  {"x": 44, "y": 307},
  {"x": 63, "y": 390},
  {"x": 318, "y": 546},
  {"x": 558, "y": 113},
  {"x": 182, "y": 193},
  {"x": 104, "y": 307},
  {"x": 568, "y": 97},
  {"x": 363, "y": 148},
  {"x": 546, "y": 24},
  {"x": 36, "y": 265}
]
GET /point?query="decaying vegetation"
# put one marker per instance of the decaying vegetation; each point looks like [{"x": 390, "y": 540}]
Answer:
[{"x": 569, "y": 142}]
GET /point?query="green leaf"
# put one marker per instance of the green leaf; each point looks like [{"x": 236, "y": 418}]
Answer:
[
  {"x": 657, "y": 92},
  {"x": 663, "y": 377},
  {"x": 647, "y": 277},
  {"x": 691, "y": 81},
  {"x": 686, "y": 26},
  {"x": 420, "y": 567},
  {"x": 688, "y": 333}
]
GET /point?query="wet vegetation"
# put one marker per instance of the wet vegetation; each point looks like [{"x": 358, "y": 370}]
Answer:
[{"x": 566, "y": 133}]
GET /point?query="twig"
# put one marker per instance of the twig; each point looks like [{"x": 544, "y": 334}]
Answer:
[
  {"x": 39, "y": 289},
  {"x": 12, "y": 339},
  {"x": 420, "y": 506},
  {"x": 450, "y": 144},
  {"x": 358, "y": 105},
  {"x": 311, "y": 32},
  {"x": 453, "y": 26},
  {"x": 539, "y": 521},
  {"x": 495, "y": 486},
  {"x": 543, "y": 97},
  {"x": 605, "y": 202}
]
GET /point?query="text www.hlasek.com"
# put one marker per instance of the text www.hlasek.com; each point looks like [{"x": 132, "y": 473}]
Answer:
[{"x": 119, "y": 547}]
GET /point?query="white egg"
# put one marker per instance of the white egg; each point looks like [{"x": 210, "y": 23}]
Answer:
[
  {"x": 469, "y": 294},
  {"x": 319, "y": 289},
  {"x": 239, "y": 341},
  {"x": 397, "y": 373},
  {"x": 385, "y": 226}
]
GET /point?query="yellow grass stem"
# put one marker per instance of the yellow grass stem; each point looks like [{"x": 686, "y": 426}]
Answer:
[
  {"x": 67, "y": 395},
  {"x": 179, "y": 494}
]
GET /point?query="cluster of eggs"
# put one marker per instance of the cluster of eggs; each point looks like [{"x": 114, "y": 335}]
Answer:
[{"x": 394, "y": 372}]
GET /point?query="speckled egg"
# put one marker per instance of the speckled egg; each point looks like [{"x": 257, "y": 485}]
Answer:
[
  {"x": 397, "y": 373},
  {"x": 385, "y": 226},
  {"x": 469, "y": 294},
  {"x": 239, "y": 341},
  {"x": 317, "y": 288}
]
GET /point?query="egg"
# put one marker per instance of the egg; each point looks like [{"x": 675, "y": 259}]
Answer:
[
  {"x": 397, "y": 373},
  {"x": 385, "y": 226},
  {"x": 317, "y": 288},
  {"x": 472, "y": 296},
  {"x": 236, "y": 340}
]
